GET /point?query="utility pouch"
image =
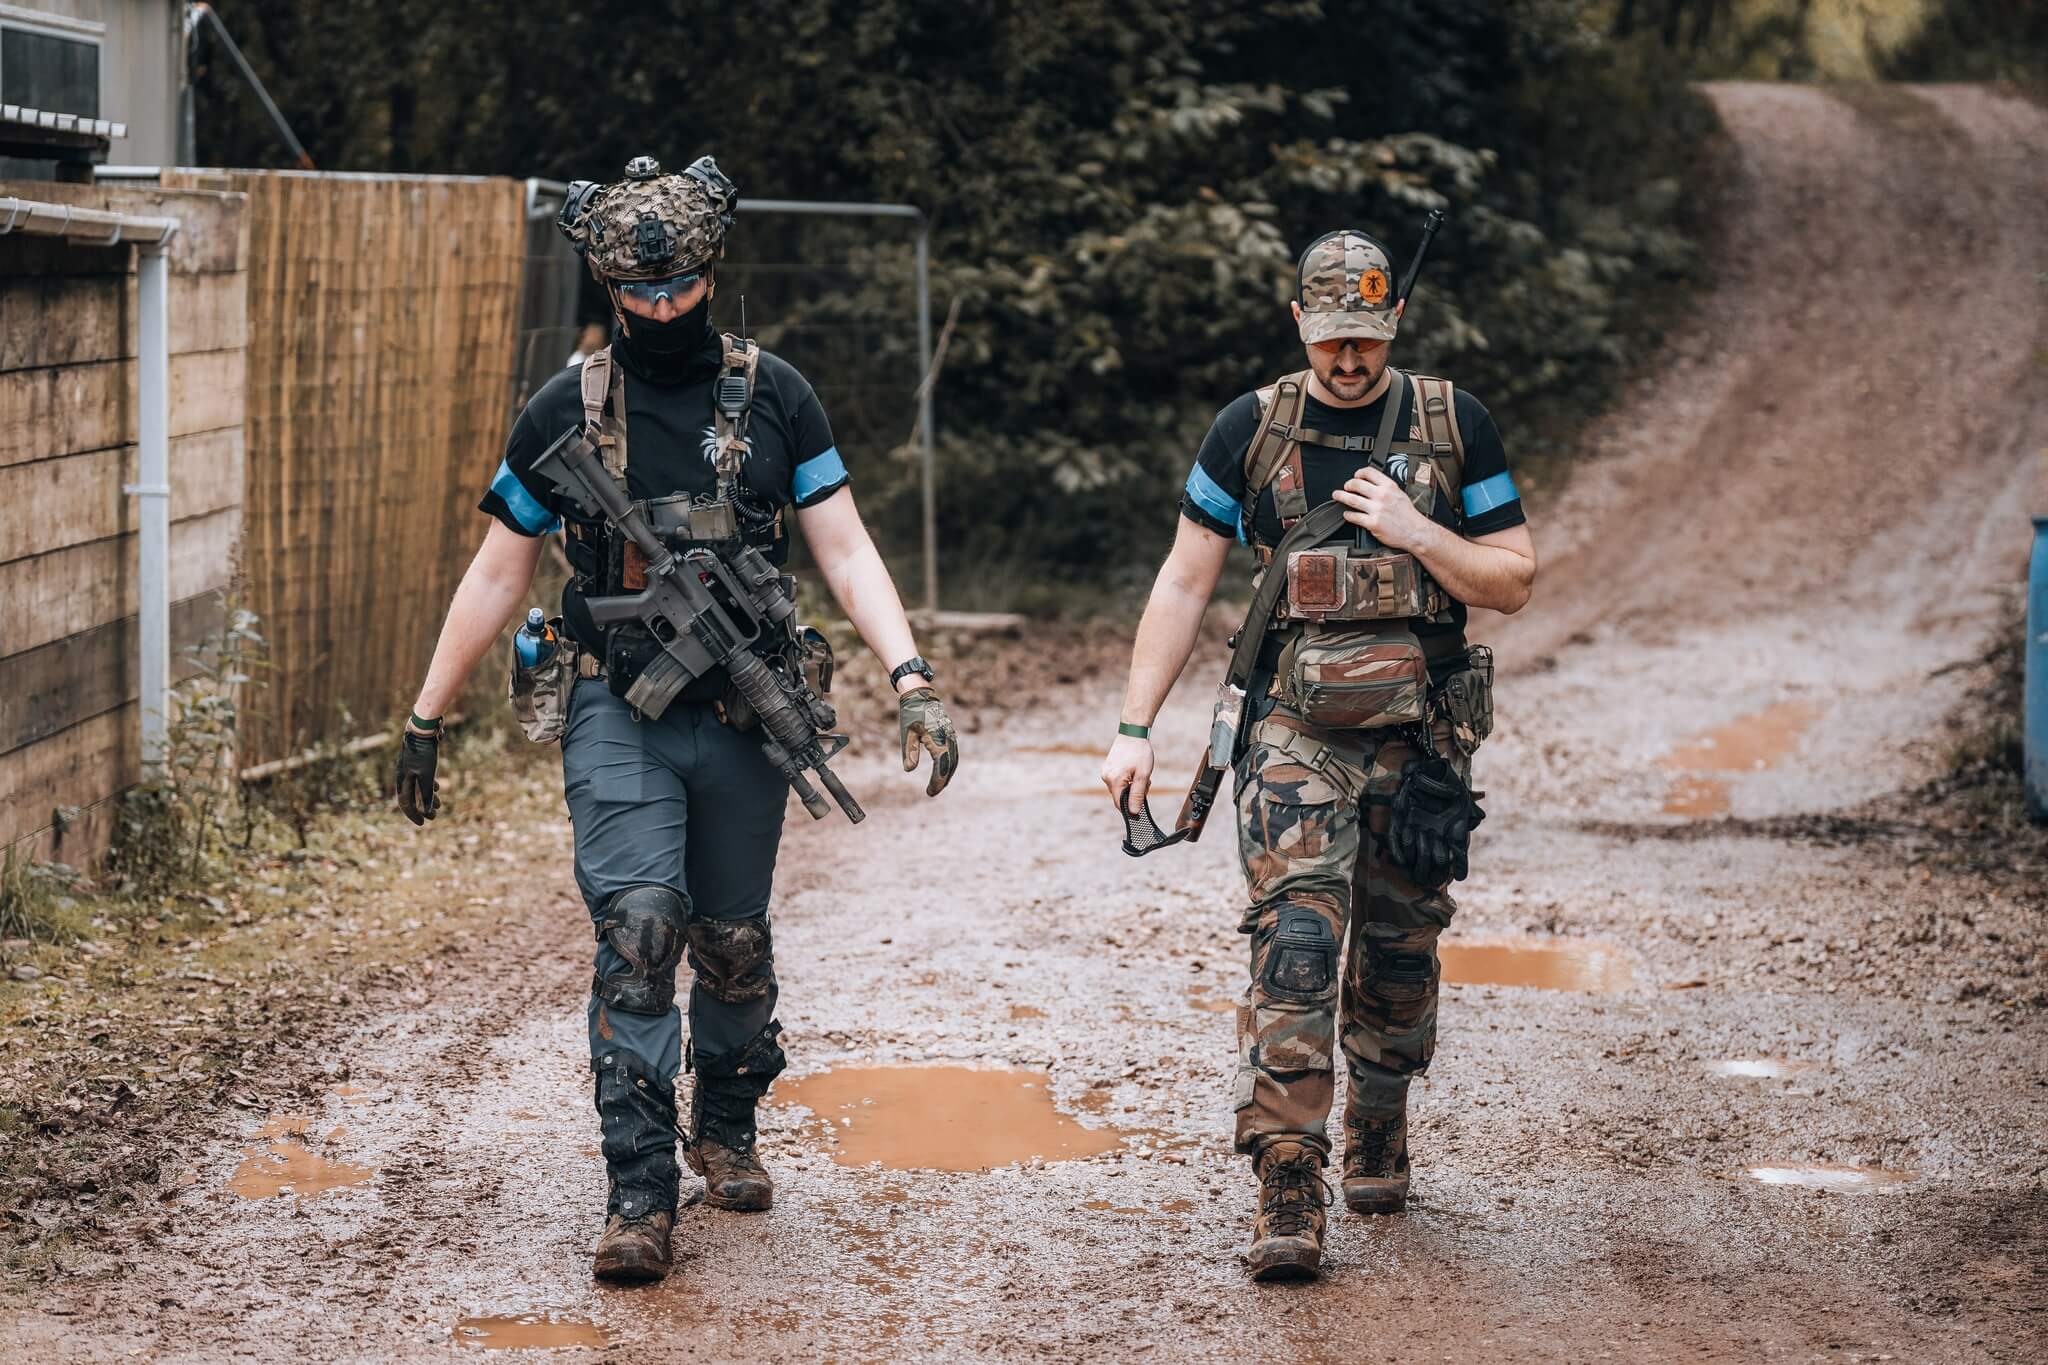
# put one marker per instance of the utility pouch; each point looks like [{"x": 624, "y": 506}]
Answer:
[
  {"x": 1466, "y": 700},
  {"x": 1354, "y": 677},
  {"x": 540, "y": 695},
  {"x": 1336, "y": 583}
]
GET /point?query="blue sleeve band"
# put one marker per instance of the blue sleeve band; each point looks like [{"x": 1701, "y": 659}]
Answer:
[
  {"x": 819, "y": 472},
  {"x": 533, "y": 518},
  {"x": 1489, "y": 493},
  {"x": 1208, "y": 495}
]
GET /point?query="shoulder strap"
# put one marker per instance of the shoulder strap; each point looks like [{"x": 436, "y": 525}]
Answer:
[
  {"x": 732, "y": 405},
  {"x": 1274, "y": 456},
  {"x": 1436, "y": 412},
  {"x": 604, "y": 381}
]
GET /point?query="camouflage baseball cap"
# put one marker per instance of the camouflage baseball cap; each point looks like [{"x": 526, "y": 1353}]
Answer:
[
  {"x": 1347, "y": 289},
  {"x": 649, "y": 226}
]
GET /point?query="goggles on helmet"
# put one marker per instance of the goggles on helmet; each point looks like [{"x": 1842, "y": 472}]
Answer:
[{"x": 651, "y": 292}]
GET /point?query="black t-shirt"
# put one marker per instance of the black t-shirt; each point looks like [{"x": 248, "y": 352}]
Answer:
[
  {"x": 669, "y": 432},
  {"x": 1487, "y": 500}
]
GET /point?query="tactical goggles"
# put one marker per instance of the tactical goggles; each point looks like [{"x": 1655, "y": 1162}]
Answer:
[
  {"x": 651, "y": 292},
  {"x": 1336, "y": 344}
]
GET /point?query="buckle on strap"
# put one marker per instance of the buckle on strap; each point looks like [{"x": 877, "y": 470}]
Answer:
[{"x": 1342, "y": 769}]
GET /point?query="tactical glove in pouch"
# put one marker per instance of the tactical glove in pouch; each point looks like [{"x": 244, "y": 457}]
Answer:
[
  {"x": 1434, "y": 814},
  {"x": 1466, "y": 700},
  {"x": 1354, "y": 677},
  {"x": 540, "y": 695}
]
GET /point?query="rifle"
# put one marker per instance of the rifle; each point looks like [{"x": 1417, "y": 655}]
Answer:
[{"x": 710, "y": 610}]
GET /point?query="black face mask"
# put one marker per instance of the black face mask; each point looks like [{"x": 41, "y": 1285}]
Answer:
[{"x": 667, "y": 351}]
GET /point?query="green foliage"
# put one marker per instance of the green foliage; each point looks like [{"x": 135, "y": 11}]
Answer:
[
  {"x": 173, "y": 830},
  {"x": 1118, "y": 194},
  {"x": 1977, "y": 40}
]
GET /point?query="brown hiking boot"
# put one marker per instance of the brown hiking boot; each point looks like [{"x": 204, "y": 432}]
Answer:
[
  {"x": 733, "y": 1178},
  {"x": 1376, "y": 1155},
  {"x": 634, "y": 1250},
  {"x": 1287, "y": 1236}
]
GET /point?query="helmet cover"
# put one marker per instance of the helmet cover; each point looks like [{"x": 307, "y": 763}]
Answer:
[{"x": 650, "y": 226}]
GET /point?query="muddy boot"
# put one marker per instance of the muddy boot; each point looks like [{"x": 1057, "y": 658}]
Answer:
[
  {"x": 633, "y": 1250},
  {"x": 1376, "y": 1143},
  {"x": 733, "y": 1176},
  {"x": 1287, "y": 1236},
  {"x": 718, "y": 1143}
]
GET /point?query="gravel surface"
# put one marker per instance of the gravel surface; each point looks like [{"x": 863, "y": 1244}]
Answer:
[{"x": 1817, "y": 500}]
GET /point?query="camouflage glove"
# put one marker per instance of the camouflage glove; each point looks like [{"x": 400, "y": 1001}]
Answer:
[
  {"x": 1433, "y": 819},
  {"x": 921, "y": 719},
  {"x": 418, "y": 755}
]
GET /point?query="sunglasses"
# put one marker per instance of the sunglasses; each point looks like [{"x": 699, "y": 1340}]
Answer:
[
  {"x": 1359, "y": 344},
  {"x": 652, "y": 292}
]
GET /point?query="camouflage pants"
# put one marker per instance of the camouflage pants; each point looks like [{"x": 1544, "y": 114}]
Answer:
[{"x": 1311, "y": 843}]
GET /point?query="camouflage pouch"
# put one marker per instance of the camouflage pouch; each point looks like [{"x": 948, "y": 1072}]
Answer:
[
  {"x": 1354, "y": 677},
  {"x": 1466, "y": 700},
  {"x": 1338, "y": 583},
  {"x": 540, "y": 695}
]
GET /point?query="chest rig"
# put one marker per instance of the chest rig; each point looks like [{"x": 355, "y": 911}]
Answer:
[
  {"x": 1358, "y": 579},
  {"x": 726, "y": 516}
]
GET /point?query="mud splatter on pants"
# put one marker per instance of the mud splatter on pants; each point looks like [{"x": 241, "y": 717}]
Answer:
[
  {"x": 689, "y": 804},
  {"x": 1310, "y": 843}
]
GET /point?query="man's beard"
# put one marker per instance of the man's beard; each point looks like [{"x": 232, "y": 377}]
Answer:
[{"x": 1365, "y": 376}]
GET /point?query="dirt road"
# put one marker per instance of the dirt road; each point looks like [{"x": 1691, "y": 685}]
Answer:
[{"x": 1771, "y": 1100}]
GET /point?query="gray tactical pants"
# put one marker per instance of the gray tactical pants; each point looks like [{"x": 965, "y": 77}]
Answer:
[{"x": 683, "y": 802}]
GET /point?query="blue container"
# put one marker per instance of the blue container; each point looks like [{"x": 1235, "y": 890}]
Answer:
[
  {"x": 535, "y": 643},
  {"x": 2036, "y": 703}
]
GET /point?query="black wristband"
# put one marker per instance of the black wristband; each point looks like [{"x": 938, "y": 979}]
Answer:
[{"x": 914, "y": 664}]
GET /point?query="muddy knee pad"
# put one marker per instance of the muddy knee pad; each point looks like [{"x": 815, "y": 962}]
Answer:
[
  {"x": 734, "y": 959},
  {"x": 637, "y": 1112},
  {"x": 644, "y": 926},
  {"x": 1287, "y": 1028},
  {"x": 1392, "y": 1021}
]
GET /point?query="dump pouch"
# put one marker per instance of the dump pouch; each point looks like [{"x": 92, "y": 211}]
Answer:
[
  {"x": 1342, "y": 583},
  {"x": 540, "y": 695},
  {"x": 1354, "y": 677}
]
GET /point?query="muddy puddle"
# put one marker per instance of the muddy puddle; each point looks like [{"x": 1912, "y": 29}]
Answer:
[
  {"x": 285, "y": 1166},
  {"x": 1760, "y": 1068},
  {"x": 943, "y": 1118},
  {"x": 1536, "y": 963},
  {"x": 529, "y": 1331},
  {"x": 1828, "y": 1175},
  {"x": 1749, "y": 743}
]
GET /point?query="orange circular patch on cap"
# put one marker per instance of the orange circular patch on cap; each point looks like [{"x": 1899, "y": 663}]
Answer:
[{"x": 1372, "y": 287}]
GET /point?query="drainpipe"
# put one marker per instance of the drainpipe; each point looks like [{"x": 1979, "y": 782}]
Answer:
[
  {"x": 153, "y": 497},
  {"x": 2036, "y": 703},
  {"x": 88, "y": 227}
]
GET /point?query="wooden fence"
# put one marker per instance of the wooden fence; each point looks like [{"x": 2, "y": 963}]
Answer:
[
  {"x": 68, "y": 685},
  {"x": 383, "y": 314}
]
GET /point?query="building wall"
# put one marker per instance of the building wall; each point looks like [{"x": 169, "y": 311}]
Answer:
[
  {"x": 68, "y": 713},
  {"x": 142, "y": 65}
]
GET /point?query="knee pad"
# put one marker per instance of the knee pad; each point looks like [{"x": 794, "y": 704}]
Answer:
[
  {"x": 644, "y": 925},
  {"x": 732, "y": 958},
  {"x": 1299, "y": 957},
  {"x": 1401, "y": 970}
]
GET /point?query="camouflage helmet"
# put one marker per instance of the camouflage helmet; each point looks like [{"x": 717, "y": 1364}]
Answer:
[{"x": 649, "y": 226}]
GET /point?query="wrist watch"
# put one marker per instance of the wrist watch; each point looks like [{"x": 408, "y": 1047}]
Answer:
[{"x": 914, "y": 664}]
